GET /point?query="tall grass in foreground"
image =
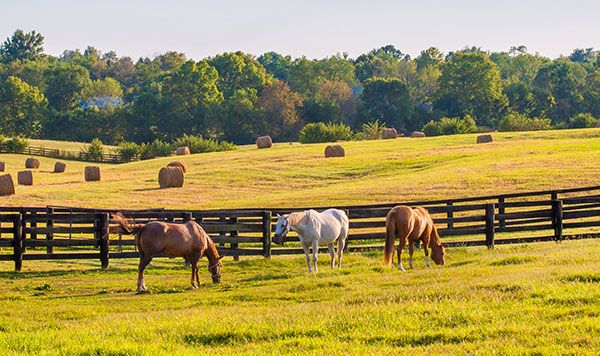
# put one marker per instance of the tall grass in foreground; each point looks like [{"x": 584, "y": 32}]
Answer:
[{"x": 522, "y": 299}]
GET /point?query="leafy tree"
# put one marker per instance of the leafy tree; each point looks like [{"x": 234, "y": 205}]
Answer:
[
  {"x": 377, "y": 62},
  {"x": 280, "y": 106},
  {"x": 65, "y": 85},
  {"x": 470, "y": 84},
  {"x": 339, "y": 93},
  {"x": 239, "y": 71},
  {"x": 386, "y": 100},
  {"x": 21, "y": 46},
  {"x": 431, "y": 57},
  {"x": 108, "y": 87},
  {"x": 276, "y": 64},
  {"x": 564, "y": 81},
  {"x": 22, "y": 108},
  {"x": 188, "y": 96},
  {"x": 240, "y": 117},
  {"x": 580, "y": 55}
]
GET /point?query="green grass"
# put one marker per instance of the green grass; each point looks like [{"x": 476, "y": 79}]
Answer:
[
  {"x": 65, "y": 145},
  {"x": 298, "y": 175},
  {"x": 523, "y": 299}
]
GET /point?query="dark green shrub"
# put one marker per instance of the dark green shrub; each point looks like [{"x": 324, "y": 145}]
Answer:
[
  {"x": 320, "y": 132},
  {"x": 198, "y": 144},
  {"x": 129, "y": 150},
  {"x": 519, "y": 122},
  {"x": 156, "y": 148},
  {"x": 94, "y": 151},
  {"x": 370, "y": 131},
  {"x": 15, "y": 144},
  {"x": 582, "y": 121},
  {"x": 450, "y": 126}
]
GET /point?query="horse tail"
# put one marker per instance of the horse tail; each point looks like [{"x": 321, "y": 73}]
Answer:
[{"x": 390, "y": 227}]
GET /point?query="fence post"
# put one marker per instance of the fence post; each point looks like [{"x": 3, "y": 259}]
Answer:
[
  {"x": 33, "y": 225},
  {"x": 18, "y": 241},
  {"x": 489, "y": 225},
  {"x": 50, "y": 230},
  {"x": 501, "y": 211},
  {"x": 450, "y": 215},
  {"x": 554, "y": 196},
  {"x": 234, "y": 246},
  {"x": 187, "y": 216},
  {"x": 266, "y": 221},
  {"x": 102, "y": 237},
  {"x": 557, "y": 220}
]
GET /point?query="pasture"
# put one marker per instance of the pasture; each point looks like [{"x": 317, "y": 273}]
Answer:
[
  {"x": 535, "y": 298},
  {"x": 293, "y": 175}
]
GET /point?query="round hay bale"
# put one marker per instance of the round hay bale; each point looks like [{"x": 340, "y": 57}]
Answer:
[
  {"x": 32, "y": 163},
  {"x": 484, "y": 138},
  {"x": 389, "y": 133},
  {"x": 334, "y": 151},
  {"x": 264, "y": 142},
  {"x": 417, "y": 134},
  {"x": 2, "y": 166},
  {"x": 182, "y": 151},
  {"x": 59, "y": 167},
  {"x": 178, "y": 164},
  {"x": 7, "y": 186},
  {"x": 92, "y": 173},
  {"x": 170, "y": 177},
  {"x": 25, "y": 178}
]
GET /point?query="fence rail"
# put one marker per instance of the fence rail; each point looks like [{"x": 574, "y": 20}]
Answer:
[
  {"x": 70, "y": 233},
  {"x": 71, "y": 155}
]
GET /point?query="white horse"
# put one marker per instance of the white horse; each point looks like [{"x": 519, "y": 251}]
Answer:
[{"x": 315, "y": 229}]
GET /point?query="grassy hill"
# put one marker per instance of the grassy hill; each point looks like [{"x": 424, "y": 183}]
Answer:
[{"x": 298, "y": 175}]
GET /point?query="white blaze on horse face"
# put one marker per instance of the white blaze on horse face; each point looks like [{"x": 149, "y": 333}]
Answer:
[{"x": 282, "y": 227}]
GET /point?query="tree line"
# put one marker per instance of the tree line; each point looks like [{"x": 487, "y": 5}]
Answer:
[{"x": 79, "y": 96}]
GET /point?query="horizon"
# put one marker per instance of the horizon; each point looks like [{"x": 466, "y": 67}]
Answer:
[{"x": 548, "y": 28}]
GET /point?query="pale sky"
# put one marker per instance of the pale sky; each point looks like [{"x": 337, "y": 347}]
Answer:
[{"x": 312, "y": 28}]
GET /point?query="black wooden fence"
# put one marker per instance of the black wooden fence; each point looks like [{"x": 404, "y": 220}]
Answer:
[
  {"x": 71, "y": 155},
  {"x": 36, "y": 233}
]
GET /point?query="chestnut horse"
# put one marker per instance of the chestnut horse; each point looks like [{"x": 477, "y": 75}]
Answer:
[
  {"x": 187, "y": 240},
  {"x": 411, "y": 225}
]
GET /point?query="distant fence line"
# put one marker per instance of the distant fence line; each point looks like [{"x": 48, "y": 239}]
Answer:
[
  {"x": 83, "y": 233},
  {"x": 71, "y": 155}
]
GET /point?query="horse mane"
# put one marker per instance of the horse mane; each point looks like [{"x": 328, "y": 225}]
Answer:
[
  {"x": 124, "y": 225},
  {"x": 212, "y": 248},
  {"x": 296, "y": 218}
]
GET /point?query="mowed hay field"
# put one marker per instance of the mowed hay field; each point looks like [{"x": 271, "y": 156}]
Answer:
[
  {"x": 293, "y": 175},
  {"x": 541, "y": 298}
]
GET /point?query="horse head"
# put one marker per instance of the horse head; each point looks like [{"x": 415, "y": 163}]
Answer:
[
  {"x": 437, "y": 253},
  {"x": 281, "y": 229},
  {"x": 215, "y": 270}
]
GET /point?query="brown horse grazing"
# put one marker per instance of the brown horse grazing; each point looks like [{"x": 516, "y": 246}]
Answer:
[
  {"x": 187, "y": 240},
  {"x": 411, "y": 225}
]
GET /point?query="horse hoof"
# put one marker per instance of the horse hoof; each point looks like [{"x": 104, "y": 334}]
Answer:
[
  {"x": 141, "y": 291},
  {"x": 401, "y": 269}
]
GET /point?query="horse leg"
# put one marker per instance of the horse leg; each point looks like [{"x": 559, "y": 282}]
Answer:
[
  {"x": 195, "y": 260},
  {"x": 341, "y": 243},
  {"x": 401, "y": 244},
  {"x": 411, "y": 249},
  {"x": 426, "y": 249},
  {"x": 332, "y": 254},
  {"x": 194, "y": 264},
  {"x": 315, "y": 251},
  {"x": 144, "y": 261},
  {"x": 306, "y": 249}
]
